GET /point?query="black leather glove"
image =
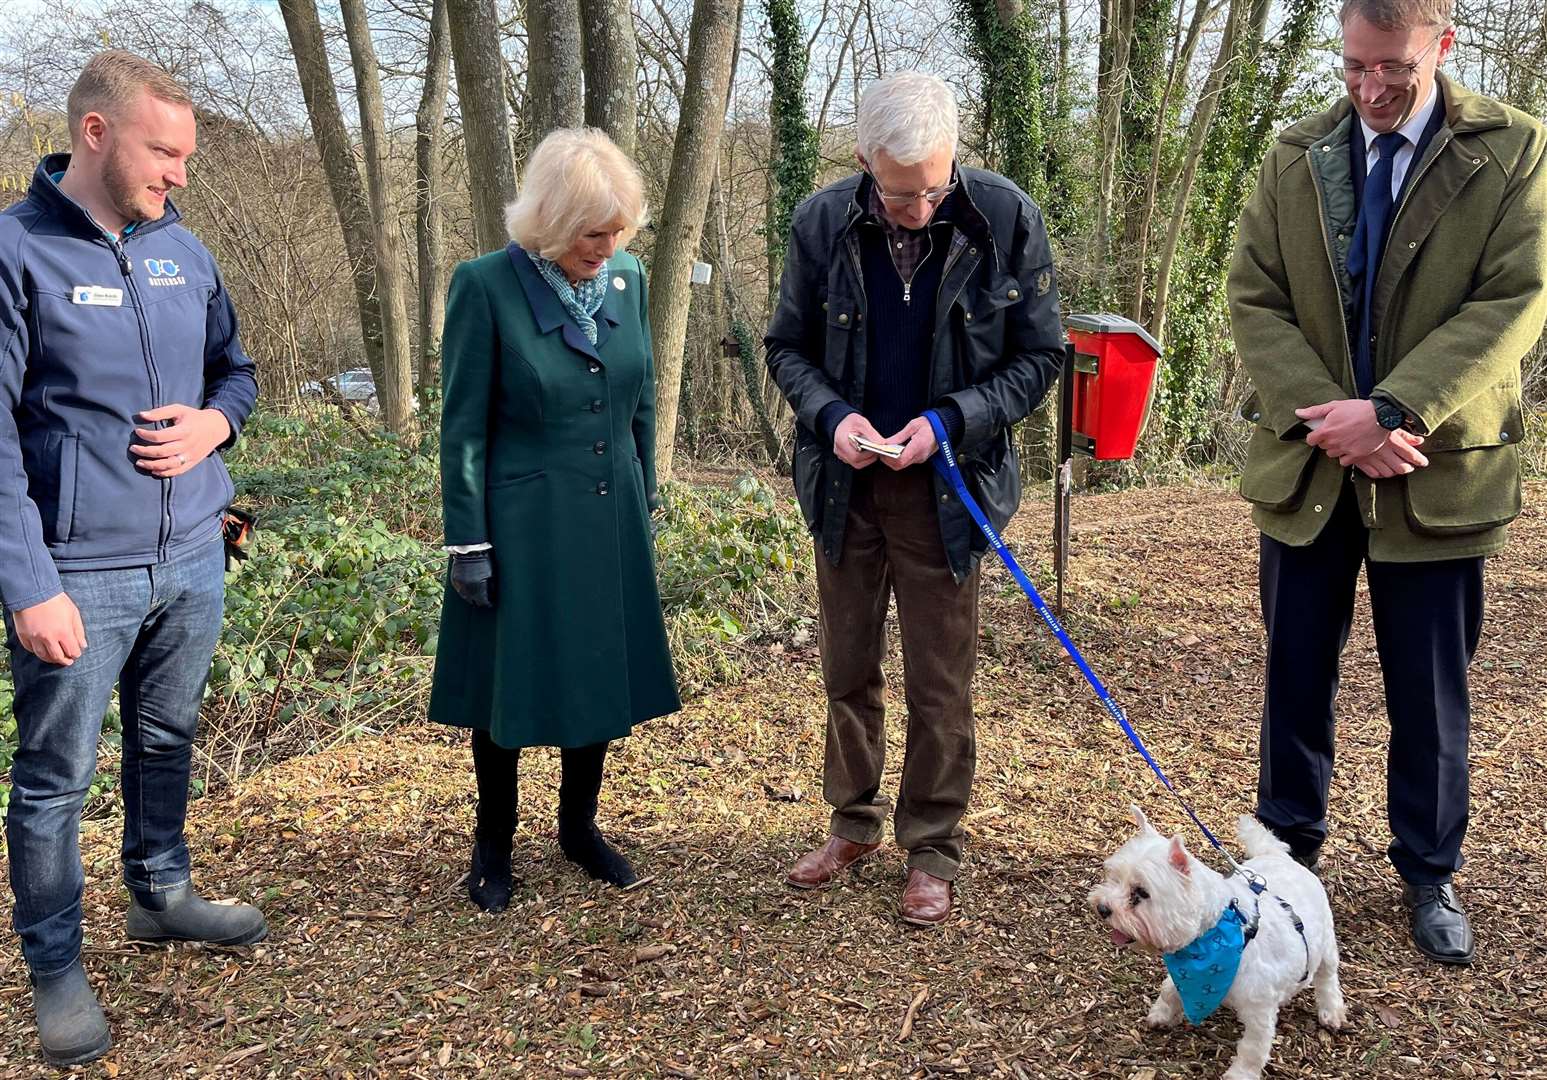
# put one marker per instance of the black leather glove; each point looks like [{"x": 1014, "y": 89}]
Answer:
[{"x": 472, "y": 576}]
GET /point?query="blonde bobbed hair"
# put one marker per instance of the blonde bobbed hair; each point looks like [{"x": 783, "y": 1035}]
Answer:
[{"x": 576, "y": 180}]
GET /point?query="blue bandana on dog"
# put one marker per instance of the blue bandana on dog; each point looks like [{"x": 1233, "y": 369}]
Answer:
[{"x": 1204, "y": 970}]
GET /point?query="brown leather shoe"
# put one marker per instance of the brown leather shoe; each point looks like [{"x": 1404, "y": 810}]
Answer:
[
  {"x": 926, "y": 899},
  {"x": 816, "y": 869}
]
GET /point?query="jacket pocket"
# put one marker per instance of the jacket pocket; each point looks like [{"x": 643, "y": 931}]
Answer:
[
  {"x": 1277, "y": 472},
  {"x": 1465, "y": 491},
  {"x": 512, "y": 481},
  {"x": 982, "y": 321},
  {"x": 66, "y": 471},
  {"x": 807, "y": 472}
]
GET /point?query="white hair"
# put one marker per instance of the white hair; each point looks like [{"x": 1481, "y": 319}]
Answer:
[
  {"x": 910, "y": 115},
  {"x": 577, "y": 179}
]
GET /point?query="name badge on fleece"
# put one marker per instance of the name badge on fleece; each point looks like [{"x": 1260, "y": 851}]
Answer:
[{"x": 97, "y": 296}]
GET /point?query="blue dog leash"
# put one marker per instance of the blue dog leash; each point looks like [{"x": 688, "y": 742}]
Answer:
[{"x": 945, "y": 464}]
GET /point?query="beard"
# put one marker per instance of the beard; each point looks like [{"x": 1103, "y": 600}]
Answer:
[{"x": 129, "y": 199}]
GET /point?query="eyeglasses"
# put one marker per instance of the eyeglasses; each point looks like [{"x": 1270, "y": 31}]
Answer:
[
  {"x": 934, "y": 196},
  {"x": 1396, "y": 76}
]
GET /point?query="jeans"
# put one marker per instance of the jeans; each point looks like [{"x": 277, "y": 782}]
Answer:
[{"x": 152, "y": 631}]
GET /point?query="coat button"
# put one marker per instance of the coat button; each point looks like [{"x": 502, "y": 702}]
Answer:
[
  {"x": 1412, "y": 244},
  {"x": 829, "y": 501},
  {"x": 843, "y": 320},
  {"x": 969, "y": 316},
  {"x": 1317, "y": 508},
  {"x": 1504, "y": 436},
  {"x": 945, "y": 498},
  {"x": 824, "y": 305},
  {"x": 596, "y": 406},
  {"x": 593, "y": 367},
  {"x": 601, "y": 489},
  {"x": 601, "y": 446},
  {"x": 1014, "y": 294},
  {"x": 1256, "y": 416}
]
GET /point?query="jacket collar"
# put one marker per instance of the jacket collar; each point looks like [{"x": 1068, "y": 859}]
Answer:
[
  {"x": 1465, "y": 112},
  {"x": 549, "y": 313},
  {"x": 45, "y": 191}
]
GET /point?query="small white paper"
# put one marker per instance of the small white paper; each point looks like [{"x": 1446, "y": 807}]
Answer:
[
  {"x": 702, "y": 272},
  {"x": 96, "y": 296}
]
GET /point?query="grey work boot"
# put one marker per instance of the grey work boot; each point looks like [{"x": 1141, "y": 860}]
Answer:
[
  {"x": 71, "y": 1026},
  {"x": 180, "y": 914}
]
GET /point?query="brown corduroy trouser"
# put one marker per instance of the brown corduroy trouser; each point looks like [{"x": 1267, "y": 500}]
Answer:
[{"x": 892, "y": 545}]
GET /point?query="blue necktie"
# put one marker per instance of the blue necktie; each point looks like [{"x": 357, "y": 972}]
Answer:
[{"x": 1364, "y": 253}]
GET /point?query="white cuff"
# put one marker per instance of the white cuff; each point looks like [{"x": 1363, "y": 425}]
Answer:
[{"x": 467, "y": 549}]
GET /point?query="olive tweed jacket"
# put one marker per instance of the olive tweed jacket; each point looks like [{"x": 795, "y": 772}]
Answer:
[{"x": 1460, "y": 299}]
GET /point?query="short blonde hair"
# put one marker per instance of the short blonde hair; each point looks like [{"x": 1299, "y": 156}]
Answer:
[
  {"x": 114, "y": 79},
  {"x": 909, "y": 115},
  {"x": 576, "y": 179}
]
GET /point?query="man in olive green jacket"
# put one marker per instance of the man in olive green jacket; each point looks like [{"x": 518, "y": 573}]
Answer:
[{"x": 1387, "y": 281}]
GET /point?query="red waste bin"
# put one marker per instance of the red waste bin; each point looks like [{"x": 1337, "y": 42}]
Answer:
[{"x": 1113, "y": 383}]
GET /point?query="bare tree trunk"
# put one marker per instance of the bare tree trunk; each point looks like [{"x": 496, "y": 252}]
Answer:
[
  {"x": 555, "y": 96},
  {"x": 711, "y": 58},
  {"x": 394, "y": 387},
  {"x": 428, "y": 124},
  {"x": 1111, "y": 82},
  {"x": 1203, "y": 116},
  {"x": 480, "y": 71},
  {"x": 611, "y": 68},
  {"x": 349, "y": 201},
  {"x": 1176, "y": 84}
]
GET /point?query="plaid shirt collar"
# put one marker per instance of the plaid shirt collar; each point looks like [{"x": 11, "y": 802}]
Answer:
[{"x": 909, "y": 247}]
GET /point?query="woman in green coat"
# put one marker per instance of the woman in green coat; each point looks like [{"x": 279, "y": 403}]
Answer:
[{"x": 551, "y": 628}]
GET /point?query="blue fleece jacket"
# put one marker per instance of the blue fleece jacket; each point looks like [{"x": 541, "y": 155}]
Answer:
[{"x": 93, "y": 332}]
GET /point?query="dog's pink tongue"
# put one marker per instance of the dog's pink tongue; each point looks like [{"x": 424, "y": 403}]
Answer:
[{"x": 1120, "y": 938}]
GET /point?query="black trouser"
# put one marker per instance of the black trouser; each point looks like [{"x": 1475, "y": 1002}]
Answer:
[
  {"x": 497, "y": 770},
  {"x": 1428, "y": 619}
]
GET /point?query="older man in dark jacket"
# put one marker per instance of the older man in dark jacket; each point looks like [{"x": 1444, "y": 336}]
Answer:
[{"x": 917, "y": 284}]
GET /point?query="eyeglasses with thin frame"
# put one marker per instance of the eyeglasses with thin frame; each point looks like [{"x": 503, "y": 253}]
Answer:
[
  {"x": 1395, "y": 76},
  {"x": 933, "y": 196}
]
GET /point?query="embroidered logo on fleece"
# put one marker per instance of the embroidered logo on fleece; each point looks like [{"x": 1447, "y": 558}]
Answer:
[{"x": 164, "y": 272}]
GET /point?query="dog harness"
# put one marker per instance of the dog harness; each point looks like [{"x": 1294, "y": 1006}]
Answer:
[{"x": 1204, "y": 970}]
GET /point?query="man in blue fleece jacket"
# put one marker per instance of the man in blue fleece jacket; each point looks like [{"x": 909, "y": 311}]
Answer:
[{"x": 121, "y": 380}]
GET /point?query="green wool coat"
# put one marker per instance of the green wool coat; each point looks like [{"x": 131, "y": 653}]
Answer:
[
  {"x": 1460, "y": 299},
  {"x": 547, "y": 452}
]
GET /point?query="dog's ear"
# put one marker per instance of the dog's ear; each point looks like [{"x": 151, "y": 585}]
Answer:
[
  {"x": 1177, "y": 856},
  {"x": 1139, "y": 819}
]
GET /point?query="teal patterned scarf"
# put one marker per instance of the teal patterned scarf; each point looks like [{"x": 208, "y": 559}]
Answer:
[{"x": 582, "y": 301}]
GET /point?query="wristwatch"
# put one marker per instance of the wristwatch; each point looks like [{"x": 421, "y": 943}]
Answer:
[{"x": 1388, "y": 414}]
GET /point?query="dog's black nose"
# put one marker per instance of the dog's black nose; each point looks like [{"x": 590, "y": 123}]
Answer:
[{"x": 1104, "y": 911}]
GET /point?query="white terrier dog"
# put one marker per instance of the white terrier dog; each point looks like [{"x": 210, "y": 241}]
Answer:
[{"x": 1157, "y": 896}]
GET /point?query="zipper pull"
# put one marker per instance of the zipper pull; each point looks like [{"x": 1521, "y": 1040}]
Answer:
[
  {"x": 907, "y": 292},
  {"x": 123, "y": 260}
]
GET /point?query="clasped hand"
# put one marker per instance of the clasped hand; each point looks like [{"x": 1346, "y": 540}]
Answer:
[
  {"x": 917, "y": 440},
  {"x": 1349, "y": 433}
]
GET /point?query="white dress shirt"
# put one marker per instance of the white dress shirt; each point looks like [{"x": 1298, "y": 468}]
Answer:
[{"x": 1411, "y": 131}]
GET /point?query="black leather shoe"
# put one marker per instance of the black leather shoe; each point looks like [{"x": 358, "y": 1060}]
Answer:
[
  {"x": 1440, "y": 927},
  {"x": 1311, "y": 860}
]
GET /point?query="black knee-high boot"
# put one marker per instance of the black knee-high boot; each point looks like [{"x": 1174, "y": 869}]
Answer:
[
  {"x": 579, "y": 839},
  {"x": 489, "y": 879}
]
